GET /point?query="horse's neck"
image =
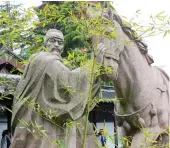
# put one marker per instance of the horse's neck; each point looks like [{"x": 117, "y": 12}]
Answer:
[{"x": 133, "y": 72}]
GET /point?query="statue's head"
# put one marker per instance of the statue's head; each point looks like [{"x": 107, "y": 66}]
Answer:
[{"x": 54, "y": 41}]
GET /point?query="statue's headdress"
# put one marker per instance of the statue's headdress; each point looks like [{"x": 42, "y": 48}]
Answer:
[{"x": 53, "y": 33}]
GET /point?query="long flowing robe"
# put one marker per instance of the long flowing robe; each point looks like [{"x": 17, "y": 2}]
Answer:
[{"x": 49, "y": 91}]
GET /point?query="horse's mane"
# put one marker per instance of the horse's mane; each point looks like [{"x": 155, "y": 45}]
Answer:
[{"x": 143, "y": 47}]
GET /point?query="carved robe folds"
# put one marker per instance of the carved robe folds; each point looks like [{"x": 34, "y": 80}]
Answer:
[{"x": 54, "y": 91}]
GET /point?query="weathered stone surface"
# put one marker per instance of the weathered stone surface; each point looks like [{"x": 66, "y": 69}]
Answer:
[
  {"x": 143, "y": 88},
  {"x": 50, "y": 91}
]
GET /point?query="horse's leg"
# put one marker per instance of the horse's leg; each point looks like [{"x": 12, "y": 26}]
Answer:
[
  {"x": 126, "y": 138},
  {"x": 145, "y": 137}
]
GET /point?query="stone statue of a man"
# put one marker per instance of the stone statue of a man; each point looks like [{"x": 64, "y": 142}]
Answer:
[{"x": 48, "y": 95}]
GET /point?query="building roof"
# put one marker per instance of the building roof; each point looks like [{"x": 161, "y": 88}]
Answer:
[
  {"x": 10, "y": 61},
  {"x": 10, "y": 70}
]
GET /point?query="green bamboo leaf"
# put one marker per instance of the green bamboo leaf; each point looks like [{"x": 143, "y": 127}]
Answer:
[
  {"x": 138, "y": 11},
  {"x": 159, "y": 14},
  {"x": 165, "y": 33}
]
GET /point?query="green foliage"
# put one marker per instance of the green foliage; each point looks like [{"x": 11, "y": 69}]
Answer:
[
  {"x": 107, "y": 83},
  {"x": 59, "y": 144},
  {"x": 158, "y": 24},
  {"x": 64, "y": 18},
  {"x": 77, "y": 58},
  {"x": 17, "y": 32}
]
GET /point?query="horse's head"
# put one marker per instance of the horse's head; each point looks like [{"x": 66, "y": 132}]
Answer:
[{"x": 111, "y": 36}]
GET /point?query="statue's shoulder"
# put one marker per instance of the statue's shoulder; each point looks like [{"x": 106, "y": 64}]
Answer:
[
  {"x": 38, "y": 56},
  {"x": 44, "y": 57}
]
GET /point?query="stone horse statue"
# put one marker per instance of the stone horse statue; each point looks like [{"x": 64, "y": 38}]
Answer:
[{"x": 143, "y": 108}]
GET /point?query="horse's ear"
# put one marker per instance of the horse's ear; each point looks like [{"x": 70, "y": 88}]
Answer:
[{"x": 149, "y": 59}]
